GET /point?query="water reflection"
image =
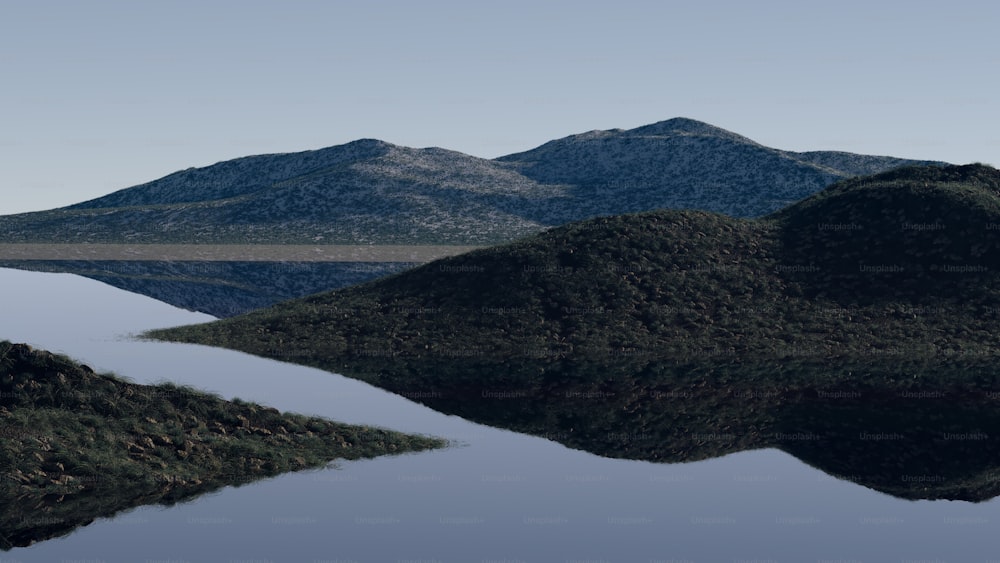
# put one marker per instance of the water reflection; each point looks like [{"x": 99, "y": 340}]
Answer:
[
  {"x": 906, "y": 428},
  {"x": 26, "y": 519},
  {"x": 220, "y": 289},
  {"x": 784, "y": 510}
]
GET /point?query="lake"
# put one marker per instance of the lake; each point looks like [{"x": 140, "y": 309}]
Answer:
[{"x": 495, "y": 496}]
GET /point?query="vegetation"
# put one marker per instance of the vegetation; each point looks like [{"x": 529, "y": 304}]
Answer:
[
  {"x": 899, "y": 262},
  {"x": 76, "y": 445}
]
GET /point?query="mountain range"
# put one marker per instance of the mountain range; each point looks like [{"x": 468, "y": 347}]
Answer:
[
  {"x": 903, "y": 262},
  {"x": 373, "y": 192}
]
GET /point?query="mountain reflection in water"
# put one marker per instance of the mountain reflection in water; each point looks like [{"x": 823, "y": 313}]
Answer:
[{"x": 219, "y": 288}]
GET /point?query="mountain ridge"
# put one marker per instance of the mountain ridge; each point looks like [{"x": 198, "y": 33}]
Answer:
[{"x": 375, "y": 192}]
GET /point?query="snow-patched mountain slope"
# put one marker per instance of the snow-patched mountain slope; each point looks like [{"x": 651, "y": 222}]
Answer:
[
  {"x": 683, "y": 163},
  {"x": 237, "y": 177},
  {"x": 370, "y": 191},
  {"x": 362, "y": 192}
]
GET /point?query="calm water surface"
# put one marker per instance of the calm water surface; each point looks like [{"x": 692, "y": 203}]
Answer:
[{"x": 497, "y": 496}]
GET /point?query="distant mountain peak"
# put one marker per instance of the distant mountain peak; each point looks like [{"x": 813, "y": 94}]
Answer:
[
  {"x": 668, "y": 127},
  {"x": 686, "y": 126},
  {"x": 671, "y": 128},
  {"x": 597, "y": 134},
  {"x": 362, "y": 148}
]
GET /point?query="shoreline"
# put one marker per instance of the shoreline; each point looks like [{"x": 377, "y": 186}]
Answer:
[{"x": 229, "y": 252}]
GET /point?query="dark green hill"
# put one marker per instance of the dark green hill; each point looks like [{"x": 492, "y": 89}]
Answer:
[
  {"x": 682, "y": 284},
  {"x": 76, "y": 445},
  {"x": 914, "y": 234},
  {"x": 606, "y": 284}
]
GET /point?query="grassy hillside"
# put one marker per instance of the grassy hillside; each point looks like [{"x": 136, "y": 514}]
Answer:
[
  {"x": 76, "y": 445},
  {"x": 914, "y": 234},
  {"x": 860, "y": 268}
]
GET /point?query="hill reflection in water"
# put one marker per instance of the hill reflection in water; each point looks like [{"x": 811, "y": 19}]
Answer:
[{"x": 906, "y": 428}]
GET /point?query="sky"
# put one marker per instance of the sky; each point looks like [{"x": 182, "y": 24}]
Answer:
[{"x": 100, "y": 95}]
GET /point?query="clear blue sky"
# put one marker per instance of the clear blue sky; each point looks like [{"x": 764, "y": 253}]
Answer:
[{"x": 100, "y": 95}]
